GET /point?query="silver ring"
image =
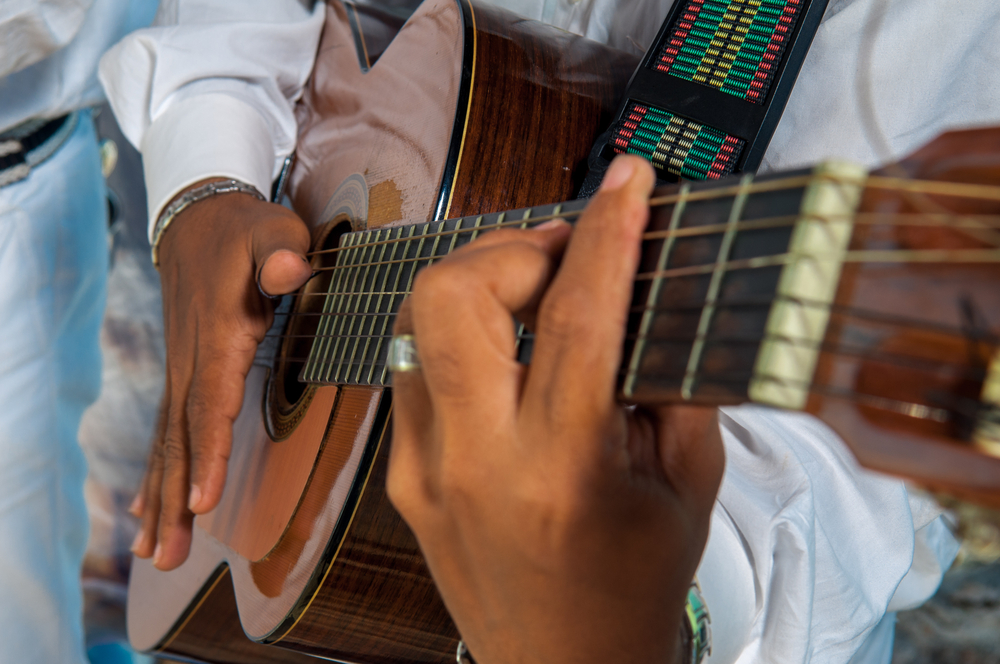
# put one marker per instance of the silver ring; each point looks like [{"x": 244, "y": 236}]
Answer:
[{"x": 403, "y": 354}]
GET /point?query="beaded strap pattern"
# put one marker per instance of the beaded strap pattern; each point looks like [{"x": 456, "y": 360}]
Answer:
[
  {"x": 731, "y": 45},
  {"x": 676, "y": 145},
  {"x": 699, "y": 622}
]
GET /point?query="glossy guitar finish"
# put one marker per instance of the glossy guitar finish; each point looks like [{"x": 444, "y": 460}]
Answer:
[{"x": 468, "y": 109}]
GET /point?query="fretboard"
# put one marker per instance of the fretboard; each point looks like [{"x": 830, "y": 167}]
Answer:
[
  {"x": 371, "y": 276},
  {"x": 730, "y": 303}
]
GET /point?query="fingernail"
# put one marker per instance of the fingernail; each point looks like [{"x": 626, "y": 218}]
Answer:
[
  {"x": 138, "y": 542},
  {"x": 157, "y": 554},
  {"x": 260, "y": 287},
  {"x": 619, "y": 173},
  {"x": 135, "y": 509},
  {"x": 195, "y": 497},
  {"x": 551, "y": 223}
]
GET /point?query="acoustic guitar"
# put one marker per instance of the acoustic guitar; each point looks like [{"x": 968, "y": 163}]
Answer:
[{"x": 868, "y": 300}]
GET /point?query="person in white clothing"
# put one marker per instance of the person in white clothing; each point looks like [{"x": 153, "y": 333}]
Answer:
[
  {"x": 807, "y": 558},
  {"x": 53, "y": 265}
]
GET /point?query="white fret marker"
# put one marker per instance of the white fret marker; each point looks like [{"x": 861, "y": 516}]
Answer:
[{"x": 797, "y": 322}]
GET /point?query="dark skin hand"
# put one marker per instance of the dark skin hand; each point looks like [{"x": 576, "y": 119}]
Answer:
[
  {"x": 544, "y": 596},
  {"x": 559, "y": 525},
  {"x": 214, "y": 316}
]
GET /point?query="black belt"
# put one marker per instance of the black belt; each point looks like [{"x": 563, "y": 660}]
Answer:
[
  {"x": 708, "y": 94},
  {"x": 22, "y": 147}
]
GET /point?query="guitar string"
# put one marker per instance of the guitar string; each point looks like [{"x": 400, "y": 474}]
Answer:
[
  {"x": 856, "y": 256},
  {"x": 982, "y": 192},
  {"x": 838, "y": 311},
  {"x": 957, "y": 221},
  {"x": 936, "y": 220},
  {"x": 656, "y": 201},
  {"x": 676, "y": 272},
  {"x": 962, "y": 371},
  {"x": 841, "y": 311},
  {"x": 914, "y": 410},
  {"x": 928, "y": 256}
]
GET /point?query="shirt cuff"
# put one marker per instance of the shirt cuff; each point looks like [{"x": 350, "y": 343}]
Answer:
[{"x": 210, "y": 135}]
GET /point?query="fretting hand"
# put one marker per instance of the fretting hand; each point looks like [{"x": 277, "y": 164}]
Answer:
[
  {"x": 214, "y": 316},
  {"x": 559, "y": 525}
]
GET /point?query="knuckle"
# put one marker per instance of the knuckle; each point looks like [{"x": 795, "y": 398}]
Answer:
[
  {"x": 399, "y": 490},
  {"x": 454, "y": 481},
  {"x": 174, "y": 450},
  {"x": 156, "y": 455},
  {"x": 408, "y": 494},
  {"x": 438, "y": 285},
  {"x": 564, "y": 313}
]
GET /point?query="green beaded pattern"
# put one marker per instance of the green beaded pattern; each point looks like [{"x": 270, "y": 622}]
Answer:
[
  {"x": 731, "y": 45},
  {"x": 674, "y": 144},
  {"x": 700, "y": 622}
]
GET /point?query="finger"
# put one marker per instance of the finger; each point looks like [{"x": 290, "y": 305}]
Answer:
[
  {"x": 462, "y": 317},
  {"x": 145, "y": 540},
  {"x": 173, "y": 530},
  {"x": 173, "y": 533},
  {"x": 213, "y": 404},
  {"x": 279, "y": 251},
  {"x": 411, "y": 422},
  {"x": 581, "y": 321},
  {"x": 138, "y": 503},
  {"x": 691, "y": 453}
]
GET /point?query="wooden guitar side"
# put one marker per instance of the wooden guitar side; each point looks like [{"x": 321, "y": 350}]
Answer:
[{"x": 469, "y": 109}]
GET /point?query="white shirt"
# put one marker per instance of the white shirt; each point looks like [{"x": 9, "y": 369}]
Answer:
[
  {"x": 49, "y": 53},
  {"x": 807, "y": 552},
  {"x": 216, "y": 97}
]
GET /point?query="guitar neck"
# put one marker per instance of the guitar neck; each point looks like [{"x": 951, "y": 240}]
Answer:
[
  {"x": 372, "y": 274},
  {"x": 730, "y": 302}
]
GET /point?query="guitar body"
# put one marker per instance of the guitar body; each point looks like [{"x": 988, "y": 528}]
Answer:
[{"x": 462, "y": 109}]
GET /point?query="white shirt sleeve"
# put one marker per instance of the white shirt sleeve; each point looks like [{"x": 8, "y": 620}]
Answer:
[
  {"x": 808, "y": 551},
  {"x": 31, "y": 31},
  {"x": 209, "y": 90}
]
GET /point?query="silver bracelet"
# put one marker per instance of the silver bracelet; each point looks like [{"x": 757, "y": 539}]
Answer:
[{"x": 191, "y": 197}]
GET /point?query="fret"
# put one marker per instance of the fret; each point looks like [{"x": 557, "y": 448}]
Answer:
[
  {"x": 698, "y": 347},
  {"x": 393, "y": 307},
  {"x": 347, "y": 324},
  {"x": 413, "y": 268},
  {"x": 346, "y": 329},
  {"x": 522, "y": 351},
  {"x": 379, "y": 308},
  {"x": 354, "y": 336},
  {"x": 336, "y": 325},
  {"x": 437, "y": 244},
  {"x": 336, "y": 307},
  {"x": 476, "y": 226},
  {"x": 367, "y": 318},
  {"x": 654, "y": 292},
  {"x": 456, "y": 234}
]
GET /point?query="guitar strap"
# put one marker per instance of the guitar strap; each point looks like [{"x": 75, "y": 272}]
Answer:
[{"x": 708, "y": 94}]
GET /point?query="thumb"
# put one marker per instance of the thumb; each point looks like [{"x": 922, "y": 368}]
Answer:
[{"x": 280, "y": 254}]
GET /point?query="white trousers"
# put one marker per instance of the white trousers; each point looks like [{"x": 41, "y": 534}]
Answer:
[{"x": 53, "y": 270}]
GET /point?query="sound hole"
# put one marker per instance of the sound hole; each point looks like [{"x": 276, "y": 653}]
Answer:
[{"x": 288, "y": 397}]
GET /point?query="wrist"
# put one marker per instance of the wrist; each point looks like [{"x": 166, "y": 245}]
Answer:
[{"x": 193, "y": 195}]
